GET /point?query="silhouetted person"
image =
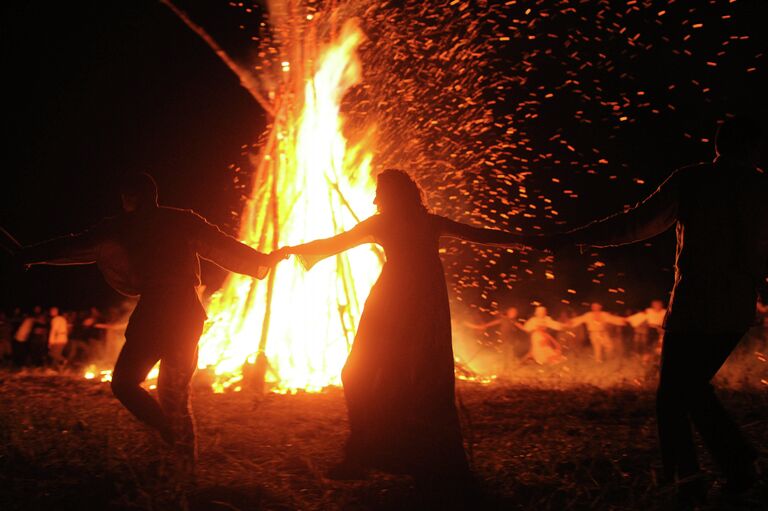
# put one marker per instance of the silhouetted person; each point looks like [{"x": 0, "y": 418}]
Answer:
[
  {"x": 38, "y": 338},
  {"x": 597, "y": 322},
  {"x": 545, "y": 350},
  {"x": 152, "y": 251},
  {"x": 648, "y": 328},
  {"x": 720, "y": 211},
  {"x": 515, "y": 343},
  {"x": 57, "y": 337},
  {"x": 20, "y": 341},
  {"x": 399, "y": 377}
]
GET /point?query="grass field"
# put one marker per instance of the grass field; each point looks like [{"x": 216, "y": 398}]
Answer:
[{"x": 68, "y": 444}]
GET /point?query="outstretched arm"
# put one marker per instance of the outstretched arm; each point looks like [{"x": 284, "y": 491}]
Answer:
[
  {"x": 66, "y": 250},
  {"x": 225, "y": 251},
  {"x": 554, "y": 325},
  {"x": 615, "y": 320},
  {"x": 654, "y": 215},
  {"x": 452, "y": 229},
  {"x": 482, "y": 326},
  {"x": 359, "y": 234},
  {"x": 578, "y": 320}
]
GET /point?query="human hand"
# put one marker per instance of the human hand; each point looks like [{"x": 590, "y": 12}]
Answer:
[{"x": 278, "y": 255}]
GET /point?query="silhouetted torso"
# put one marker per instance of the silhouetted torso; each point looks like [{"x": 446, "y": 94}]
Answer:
[{"x": 723, "y": 211}]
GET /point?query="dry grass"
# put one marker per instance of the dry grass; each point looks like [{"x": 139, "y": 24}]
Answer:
[{"x": 67, "y": 444}]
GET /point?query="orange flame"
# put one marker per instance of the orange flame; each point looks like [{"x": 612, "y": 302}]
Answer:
[{"x": 310, "y": 184}]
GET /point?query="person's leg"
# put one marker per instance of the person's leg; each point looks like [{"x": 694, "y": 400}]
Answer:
[
  {"x": 176, "y": 370},
  {"x": 608, "y": 345},
  {"x": 18, "y": 352},
  {"x": 136, "y": 359},
  {"x": 721, "y": 435},
  {"x": 675, "y": 437},
  {"x": 57, "y": 355},
  {"x": 596, "y": 348},
  {"x": 688, "y": 364}
]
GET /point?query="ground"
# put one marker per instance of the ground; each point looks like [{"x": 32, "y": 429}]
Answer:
[{"x": 68, "y": 444}]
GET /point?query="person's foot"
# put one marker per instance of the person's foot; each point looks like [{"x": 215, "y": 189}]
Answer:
[{"x": 347, "y": 471}]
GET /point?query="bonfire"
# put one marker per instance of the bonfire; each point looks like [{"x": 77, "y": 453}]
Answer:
[{"x": 295, "y": 328}]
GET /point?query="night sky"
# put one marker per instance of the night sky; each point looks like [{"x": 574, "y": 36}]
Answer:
[
  {"x": 94, "y": 89},
  {"x": 97, "y": 89}
]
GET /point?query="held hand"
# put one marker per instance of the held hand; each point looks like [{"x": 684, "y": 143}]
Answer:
[{"x": 278, "y": 255}]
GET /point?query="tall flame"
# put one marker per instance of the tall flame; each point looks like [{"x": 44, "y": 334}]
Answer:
[{"x": 310, "y": 183}]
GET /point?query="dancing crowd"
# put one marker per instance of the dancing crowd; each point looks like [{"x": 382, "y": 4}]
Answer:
[
  {"x": 399, "y": 376},
  {"x": 595, "y": 333},
  {"x": 60, "y": 340}
]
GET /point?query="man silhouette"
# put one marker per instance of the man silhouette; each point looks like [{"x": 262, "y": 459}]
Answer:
[
  {"x": 152, "y": 251},
  {"x": 720, "y": 210}
]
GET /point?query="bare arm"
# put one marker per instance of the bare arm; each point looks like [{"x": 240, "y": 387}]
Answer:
[
  {"x": 654, "y": 215},
  {"x": 359, "y": 234},
  {"x": 452, "y": 229}
]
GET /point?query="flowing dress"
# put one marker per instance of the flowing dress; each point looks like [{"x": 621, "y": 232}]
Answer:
[
  {"x": 544, "y": 349},
  {"x": 399, "y": 376}
]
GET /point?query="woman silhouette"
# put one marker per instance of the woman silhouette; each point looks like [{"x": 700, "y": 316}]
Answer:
[{"x": 399, "y": 377}]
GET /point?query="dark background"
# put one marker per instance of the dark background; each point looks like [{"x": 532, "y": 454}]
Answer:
[{"x": 93, "y": 89}]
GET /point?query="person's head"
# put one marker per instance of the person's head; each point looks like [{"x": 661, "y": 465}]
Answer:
[
  {"x": 397, "y": 192},
  {"x": 137, "y": 190},
  {"x": 510, "y": 312},
  {"x": 657, "y": 304},
  {"x": 53, "y": 311},
  {"x": 740, "y": 138},
  {"x": 540, "y": 311},
  {"x": 595, "y": 307}
]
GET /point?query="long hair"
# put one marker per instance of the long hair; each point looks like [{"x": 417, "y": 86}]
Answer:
[{"x": 401, "y": 191}]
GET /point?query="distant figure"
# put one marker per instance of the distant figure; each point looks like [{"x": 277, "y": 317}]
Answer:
[
  {"x": 79, "y": 348},
  {"x": 57, "y": 337},
  {"x": 598, "y": 322},
  {"x": 399, "y": 377},
  {"x": 720, "y": 211},
  {"x": 152, "y": 251},
  {"x": 20, "y": 341},
  {"x": 545, "y": 350},
  {"x": 649, "y": 327},
  {"x": 38, "y": 338},
  {"x": 514, "y": 339},
  {"x": 6, "y": 334}
]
